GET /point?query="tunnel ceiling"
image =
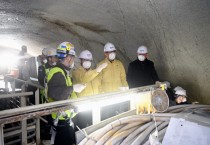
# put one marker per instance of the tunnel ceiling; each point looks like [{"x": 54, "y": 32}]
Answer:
[{"x": 177, "y": 33}]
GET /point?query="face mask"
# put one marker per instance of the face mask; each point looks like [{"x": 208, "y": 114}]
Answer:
[
  {"x": 86, "y": 64},
  {"x": 45, "y": 60},
  {"x": 54, "y": 63},
  {"x": 72, "y": 65},
  {"x": 141, "y": 57},
  {"x": 112, "y": 56}
]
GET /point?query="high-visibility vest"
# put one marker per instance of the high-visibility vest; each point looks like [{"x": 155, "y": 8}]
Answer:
[
  {"x": 42, "y": 91},
  {"x": 69, "y": 114}
]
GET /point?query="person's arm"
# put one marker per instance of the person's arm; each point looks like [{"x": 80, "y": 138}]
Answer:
[
  {"x": 57, "y": 88},
  {"x": 129, "y": 76},
  {"x": 84, "y": 77},
  {"x": 154, "y": 74},
  {"x": 41, "y": 75},
  {"x": 123, "y": 76}
]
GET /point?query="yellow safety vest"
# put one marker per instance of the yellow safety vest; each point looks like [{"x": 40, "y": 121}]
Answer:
[
  {"x": 53, "y": 71},
  {"x": 42, "y": 91}
]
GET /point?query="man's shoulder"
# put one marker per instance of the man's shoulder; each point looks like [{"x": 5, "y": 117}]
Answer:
[
  {"x": 134, "y": 62},
  {"x": 102, "y": 61},
  {"x": 47, "y": 65},
  {"x": 118, "y": 61},
  {"x": 79, "y": 69},
  {"x": 149, "y": 61},
  {"x": 56, "y": 70},
  {"x": 41, "y": 67}
]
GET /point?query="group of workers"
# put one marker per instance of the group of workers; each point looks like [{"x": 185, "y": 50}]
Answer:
[{"x": 108, "y": 76}]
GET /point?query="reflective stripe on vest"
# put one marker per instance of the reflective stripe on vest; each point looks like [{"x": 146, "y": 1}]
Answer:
[{"x": 68, "y": 83}]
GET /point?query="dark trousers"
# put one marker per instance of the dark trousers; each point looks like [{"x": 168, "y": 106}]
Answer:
[
  {"x": 83, "y": 120},
  {"x": 65, "y": 134}
]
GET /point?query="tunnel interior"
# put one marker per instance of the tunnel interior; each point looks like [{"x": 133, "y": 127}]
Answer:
[{"x": 176, "y": 32}]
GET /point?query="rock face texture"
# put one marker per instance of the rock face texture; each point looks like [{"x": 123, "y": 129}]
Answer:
[{"x": 176, "y": 32}]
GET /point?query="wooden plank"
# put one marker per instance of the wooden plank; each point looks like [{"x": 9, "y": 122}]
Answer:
[
  {"x": 1, "y": 134},
  {"x": 74, "y": 102},
  {"x": 15, "y": 95}
]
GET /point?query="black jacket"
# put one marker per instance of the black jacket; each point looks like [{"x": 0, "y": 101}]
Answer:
[
  {"x": 141, "y": 73},
  {"x": 42, "y": 73},
  {"x": 57, "y": 88}
]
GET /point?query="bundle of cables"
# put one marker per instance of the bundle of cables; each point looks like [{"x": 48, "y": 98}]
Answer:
[{"x": 138, "y": 129}]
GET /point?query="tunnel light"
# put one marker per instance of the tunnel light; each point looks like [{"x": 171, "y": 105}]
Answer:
[
  {"x": 93, "y": 104},
  {"x": 10, "y": 43},
  {"x": 7, "y": 60},
  {"x": 85, "y": 107}
]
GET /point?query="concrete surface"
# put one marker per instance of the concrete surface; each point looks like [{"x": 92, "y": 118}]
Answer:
[{"x": 177, "y": 33}]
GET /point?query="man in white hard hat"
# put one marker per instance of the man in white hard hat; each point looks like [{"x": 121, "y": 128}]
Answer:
[
  {"x": 43, "y": 70},
  {"x": 44, "y": 65},
  {"x": 85, "y": 75},
  {"x": 112, "y": 78},
  {"x": 52, "y": 58},
  {"x": 181, "y": 97},
  {"x": 141, "y": 72}
]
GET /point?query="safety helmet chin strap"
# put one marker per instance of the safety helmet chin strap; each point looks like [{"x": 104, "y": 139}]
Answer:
[{"x": 67, "y": 52}]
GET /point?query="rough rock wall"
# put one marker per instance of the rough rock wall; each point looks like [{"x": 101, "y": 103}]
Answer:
[{"x": 177, "y": 32}]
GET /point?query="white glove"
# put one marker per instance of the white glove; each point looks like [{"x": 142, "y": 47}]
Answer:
[
  {"x": 123, "y": 88},
  {"x": 79, "y": 87},
  {"x": 101, "y": 67}
]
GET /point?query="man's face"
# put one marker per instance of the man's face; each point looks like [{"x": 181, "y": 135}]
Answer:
[
  {"x": 70, "y": 59},
  {"x": 110, "y": 55},
  {"x": 180, "y": 99},
  {"x": 54, "y": 59}
]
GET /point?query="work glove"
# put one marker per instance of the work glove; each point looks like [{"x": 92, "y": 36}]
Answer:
[
  {"x": 123, "y": 88},
  {"x": 101, "y": 67},
  {"x": 79, "y": 87}
]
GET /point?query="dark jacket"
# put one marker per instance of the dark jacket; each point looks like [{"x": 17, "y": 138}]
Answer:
[
  {"x": 42, "y": 73},
  {"x": 141, "y": 73},
  {"x": 57, "y": 88}
]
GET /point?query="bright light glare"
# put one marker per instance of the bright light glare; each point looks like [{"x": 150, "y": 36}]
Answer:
[
  {"x": 85, "y": 107},
  {"x": 113, "y": 100},
  {"x": 102, "y": 102},
  {"x": 8, "y": 59}
]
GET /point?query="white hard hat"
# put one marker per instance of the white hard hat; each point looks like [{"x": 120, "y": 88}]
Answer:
[
  {"x": 109, "y": 47},
  {"x": 181, "y": 92},
  {"x": 86, "y": 55},
  {"x": 178, "y": 88},
  {"x": 51, "y": 52},
  {"x": 142, "y": 50},
  {"x": 44, "y": 51}
]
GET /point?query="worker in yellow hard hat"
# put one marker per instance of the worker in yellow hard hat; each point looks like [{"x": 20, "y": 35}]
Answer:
[{"x": 60, "y": 87}]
